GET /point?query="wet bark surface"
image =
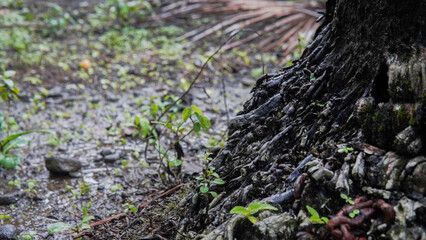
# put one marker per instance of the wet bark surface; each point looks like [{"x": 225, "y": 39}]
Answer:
[{"x": 348, "y": 117}]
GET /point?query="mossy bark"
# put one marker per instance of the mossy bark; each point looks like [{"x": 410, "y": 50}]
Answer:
[{"x": 368, "y": 59}]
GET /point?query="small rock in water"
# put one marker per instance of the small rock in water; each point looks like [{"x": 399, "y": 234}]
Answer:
[
  {"x": 56, "y": 92},
  {"x": 7, "y": 232},
  {"x": 62, "y": 165},
  {"x": 7, "y": 199},
  {"x": 112, "y": 157},
  {"x": 106, "y": 151},
  {"x": 111, "y": 97}
]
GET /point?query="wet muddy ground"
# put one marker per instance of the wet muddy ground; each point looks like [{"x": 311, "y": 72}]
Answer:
[{"x": 91, "y": 109}]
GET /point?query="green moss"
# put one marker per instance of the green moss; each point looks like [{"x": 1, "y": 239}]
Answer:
[
  {"x": 366, "y": 108},
  {"x": 377, "y": 117}
]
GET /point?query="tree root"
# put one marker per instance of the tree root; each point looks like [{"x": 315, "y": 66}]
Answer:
[{"x": 340, "y": 225}]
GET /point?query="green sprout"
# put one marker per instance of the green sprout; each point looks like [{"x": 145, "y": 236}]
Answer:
[
  {"x": 347, "y": 199},
  {"x": 252, "y": 209},
  {"x": 315, "y": 217},
  {"x": 345, "y": 149}
]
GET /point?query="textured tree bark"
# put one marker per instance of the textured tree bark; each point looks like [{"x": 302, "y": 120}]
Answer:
[{"x": 360, "y": 84}]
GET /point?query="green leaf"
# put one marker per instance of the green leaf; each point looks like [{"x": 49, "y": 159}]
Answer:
[
  {"x": 14, "y": 136},
  {"x": 214, "y": 194},
  {"x": 312, "y": 211},
  {"x": 325, "y": 219},
  {"x": 257, "y": 206},
  {"x": 85, "y": 211},
  {"x": 219, "y": 181},
  {"x": 239, "y": 210},
  {"x": 9, "y": 73},
  {"x": 132, "y": 208},
  {"x": 137, "y": 120},
  {"x": 15, "y": 143},
  {"x": 174, "y": 162},
  {"x": 9, "y": 83},
  {"x": 341, "y": 150},
  {"x": 204, "y": 189},
  {"x": 87, "y": 218},
  {"x": 197, "y": 127},
  {"x": 4, "y": 216},
  {"x": 84, "y": 226},
  {"x": 145, "y": 126},
  {"x": 9, "y": 161},
  {"x": 58, "y": 227},
  {"x": 252, "y": 219},
  {"x": 197, "y": 110},
  {"x": 215, "y": 175},
  {"x": 186, "y": 113},
  {"x": 316, "y": 220},
  {"x": 205, "y": 123},
  {"x": 343, "y": 196}
]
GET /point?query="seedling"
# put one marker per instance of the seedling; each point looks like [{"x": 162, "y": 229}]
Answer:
[
  {"x": 252, "y": 209},
  {"x": 208, "y": 176},
  {"x": 347, "y": 199},
  {"x": 354, "y": 213},
  {"x": 345, "y": 149},
  {"x": 16, "y": 182},
  {"x": 9, "y": 92},
  {"x": 61, "y": 226},
  {"x": 130, "y": 207},
  {"x": 315, "y": 217}
]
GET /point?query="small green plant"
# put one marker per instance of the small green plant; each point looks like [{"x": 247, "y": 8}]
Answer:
[
  {"x": 354, "y": 213},
  {"x": 61, "y": 226},
  {"x": 252, "y": 209},
  {"x": 130, "y": 207},
  {"x": 165, "y": 113},
  {"x": 315, "y": 217},
  {"x": 347, "y": 199},
  {"x": 31, "y": 186},
  {"x": 16, "y": 183},
  {"x": 30, "y": 235},
  {"x": 84, "y": 187},
  {"x": 116, "y": 187},
  {"x": 345, "y": 149},
  {"x": 71, "y": 189},
  {"x": 208, "y": 176},
  {"x": 8, "y": 93}
]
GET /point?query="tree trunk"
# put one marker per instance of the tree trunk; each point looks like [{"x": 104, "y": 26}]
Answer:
[{"x": 348, "y": 117}]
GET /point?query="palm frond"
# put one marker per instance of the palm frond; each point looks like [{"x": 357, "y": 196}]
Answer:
[{"x": 277, "y": 23}]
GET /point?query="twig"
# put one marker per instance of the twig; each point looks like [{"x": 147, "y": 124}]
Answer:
[
  {"x": 117, "y": 216},
  {"x": 196, "y": 78}
]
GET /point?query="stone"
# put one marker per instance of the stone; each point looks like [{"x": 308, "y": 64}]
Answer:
[
  {"x": 62, "y": 165},
  {"x": 10, "y": 198},
  {"x": 8, "y": 232},
  {"x": 112, "y": 157},
  {"x": 106, "y": 151},
  {"x": 111, "y": 97},
  {"x": 56, "y": 92}
]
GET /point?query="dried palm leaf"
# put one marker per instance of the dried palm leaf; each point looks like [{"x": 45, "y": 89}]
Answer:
[{"x": 278, "y": 22}]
